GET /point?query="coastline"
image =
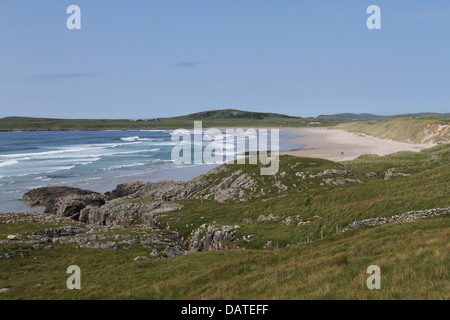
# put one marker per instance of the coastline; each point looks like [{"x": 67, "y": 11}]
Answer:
[
  {"x": 322, "y": 143},
  {"x": 341, "y": 145},
  {"x": 175, "y": 173}
]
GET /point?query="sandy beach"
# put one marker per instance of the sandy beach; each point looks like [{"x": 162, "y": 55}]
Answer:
[{"x": 340, "y": 145}]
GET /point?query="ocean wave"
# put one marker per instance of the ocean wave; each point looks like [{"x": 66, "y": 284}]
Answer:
[
  {"x": 42, "y": 178},
  {"x": 162, "y": 161},
  {"x": 85, "y": 163},
  {"x": 93, "y": 150},
  {"x": 114, "y": 145},
  {"x": 39, "y": 172},
  {"x": 117, "y": 167},
  {"x": 156, "y": 130},
  {"x": 37, "y": 154},
  {"x": 137, "y": 138},
  {"x": 67, "y": 160},
  {"x": 131, "y": 152},
  {"x": 82, "y": 151},
  {"x": 8, "y": 163},
  {"x": 163, "y": 143},
  {"x": 11, "y": 191},
  {"x": 19, "y": 175},
  {"x": 57, "y": 169},
  {"x": 130, "y": 139}
]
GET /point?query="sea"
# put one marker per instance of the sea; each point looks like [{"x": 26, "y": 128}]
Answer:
[{"x": 93, "y": 160}]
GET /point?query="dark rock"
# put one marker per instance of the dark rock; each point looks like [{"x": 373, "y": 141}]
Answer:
[
  {"x": 161, "y": 190},
  {"x": 124, "y": 213},
  {"x": 49, "y": 196},
  {"x": 70, "y": 206},
  {"x": 99, "y": 245},
  {"x": 61, "y": 232},
  {"x": 210, "y": 237},
  {"x": 125, "y": 189}
]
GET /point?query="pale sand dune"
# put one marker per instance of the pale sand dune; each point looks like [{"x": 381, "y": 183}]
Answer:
[{"x": 328, "y": 144}]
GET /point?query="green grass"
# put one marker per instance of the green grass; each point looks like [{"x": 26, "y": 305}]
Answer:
[
  {"x": 413, "y": 256},
  {"x": 415, "y": 130},
  {"x": 325, "y": 206}
]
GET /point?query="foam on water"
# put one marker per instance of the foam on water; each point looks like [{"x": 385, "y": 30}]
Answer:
[
  {"x": 8, "y": 163},
  {"x": 124, "y": 166},
  {"x": 130, "y": 138},
  {"x": 85, "y": 159}
]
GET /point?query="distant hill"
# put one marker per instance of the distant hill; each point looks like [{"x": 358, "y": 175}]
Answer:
[
  {"x": 213, "y": 118},
  {"x": 234, "y": 114},
  {"x": 369, "y": 116}
]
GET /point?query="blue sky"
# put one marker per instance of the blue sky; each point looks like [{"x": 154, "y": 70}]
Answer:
[{"x": 145, "y": 58}]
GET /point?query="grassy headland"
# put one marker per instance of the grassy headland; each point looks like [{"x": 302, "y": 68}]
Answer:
[
  {"x": 411, "y": 130},
  {"x": 297, "y": 204}
]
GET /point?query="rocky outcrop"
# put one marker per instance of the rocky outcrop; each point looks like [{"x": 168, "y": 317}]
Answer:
[
  {"x": 233, "y": 186},
  {"x": 63, "y": 201},
  {"x": 125, "y": 213},
  {"x": 161, "y": 190},
  {"x": 328, "y": 172},
  {"x": 92, "y": 208},
  {"x": 167, "y": 252},
  {"x": 141, "y": 203},
  {"x": 210, "y": 237},
  {"x": 99, "y": 245},
  {"x": 405, "y": 217},
  {"x": 125, "y": 189},
  {"x": 268, "y": 218},
  {"x": 30, "y": 217},
  {"x": 61, "y": 232},
  {"x": 71, "y": 206},
  {"x": 341, "y": 181},
  {"x": 160, "y": 243}
]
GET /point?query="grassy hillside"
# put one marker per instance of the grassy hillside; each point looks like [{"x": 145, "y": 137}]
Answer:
[
  {"x": 413, "y": 258},
  {"x": 274, "y": 260},
  {"x": 217, "y": 118},
  {"x": 323, "y": 206},
  {"x": 369, "y": 116},
  {"x": 415, "y": 130},
  {"x": 235, "y": 114}
]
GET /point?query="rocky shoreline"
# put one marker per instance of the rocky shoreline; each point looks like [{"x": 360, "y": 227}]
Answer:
[{"x": 91, "y": 220}]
